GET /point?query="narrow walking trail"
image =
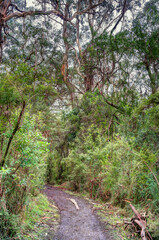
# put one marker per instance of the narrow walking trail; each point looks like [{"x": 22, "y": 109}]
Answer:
[{"x": 76, "y": 224}]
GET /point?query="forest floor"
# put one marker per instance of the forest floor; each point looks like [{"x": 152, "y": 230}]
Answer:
[
  {"x": 60, "y": 219},
  {"x": 76, "y": 224}
]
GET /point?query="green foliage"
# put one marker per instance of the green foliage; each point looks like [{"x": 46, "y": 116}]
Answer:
[
  {"x": 9, "y": 225},
  {"x": 34, "y": 210},
  {"x": 111, "y": 168},
  {"x": 24, "y": 172},
  {"x": 107, "y": 144},
  {"x": 143, "y": 124},
  {"x": 93, "y": 115},
  {"x": 30, "y": 223},
  {"x": 110, "y": 163},
  {"x": 150, "y": 108}
]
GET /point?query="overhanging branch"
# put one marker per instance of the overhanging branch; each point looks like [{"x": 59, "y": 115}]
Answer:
[
  {"x": 121, "y": 16},
  {"x": 55, "y": 12}
]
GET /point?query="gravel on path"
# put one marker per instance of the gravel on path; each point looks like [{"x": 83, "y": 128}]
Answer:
[{"x": 82, "y": 224}]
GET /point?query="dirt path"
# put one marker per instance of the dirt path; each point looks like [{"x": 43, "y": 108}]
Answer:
[{"x": 76, "y": 224}]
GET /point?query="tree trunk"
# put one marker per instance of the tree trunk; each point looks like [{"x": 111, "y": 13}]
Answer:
[{"x": 13, "y": 133}]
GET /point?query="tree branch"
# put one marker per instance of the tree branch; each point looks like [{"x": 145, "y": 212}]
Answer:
[
  {"x": 121, "y": 16},
  {"x": 86, "y": 10},
  {"x": 113, "y": 105},
  {"x": 56, "y": 12}
]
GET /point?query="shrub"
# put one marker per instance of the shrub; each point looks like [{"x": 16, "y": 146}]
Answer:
[{"x": 23, "y": 174}]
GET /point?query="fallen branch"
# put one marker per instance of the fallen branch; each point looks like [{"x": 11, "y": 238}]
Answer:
[
  {"x": 136, "y": 212},
  {"x": 74, "y": 202},
  {"x": 143, "y": 229},
  {"x": 138, "y": 224},
  {"x": 53, "y": 206}
]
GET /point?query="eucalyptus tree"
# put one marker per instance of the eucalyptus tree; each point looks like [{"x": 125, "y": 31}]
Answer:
[{"x": 80, "y": 22}]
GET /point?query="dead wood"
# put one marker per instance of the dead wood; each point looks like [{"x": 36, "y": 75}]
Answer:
[
  {"x": 138, "y": 224},
  {"x": 74, "y": 202}
]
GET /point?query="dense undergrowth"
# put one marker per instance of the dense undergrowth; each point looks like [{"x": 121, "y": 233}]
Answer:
[
  {"x": 104, "y": 77},
  {"x": 34, "y": 223},
  {"x": 23, "y": 175},
  {"x": 110, "y": 155}
]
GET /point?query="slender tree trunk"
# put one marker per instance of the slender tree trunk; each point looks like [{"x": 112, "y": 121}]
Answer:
[
  {"x": 13, "y": 133},
  {"x": 1, "y": 44},
  {"x": 65, "y": 57},
  {"x": 152, "y": 79},
  {"x": 89, "y": 75}
]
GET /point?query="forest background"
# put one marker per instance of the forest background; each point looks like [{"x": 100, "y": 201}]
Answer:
[{"x": 79, "y": 102}]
